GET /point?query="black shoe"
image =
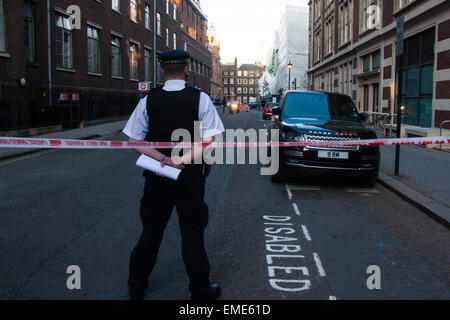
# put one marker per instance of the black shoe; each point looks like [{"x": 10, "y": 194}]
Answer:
[
  {"x": 137, "y": 294},
  {"x": 216, "y": 291},
  {"x": 213, "y": 293}
]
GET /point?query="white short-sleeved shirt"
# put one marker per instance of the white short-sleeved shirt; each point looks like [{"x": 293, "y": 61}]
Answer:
[{"x": 211, "y": 124}]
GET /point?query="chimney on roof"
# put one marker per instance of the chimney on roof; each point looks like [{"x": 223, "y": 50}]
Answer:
[{"x": 235, "y": 61}]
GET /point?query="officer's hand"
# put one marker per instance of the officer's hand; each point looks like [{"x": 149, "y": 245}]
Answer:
[
  {"x": 170, "y": 162},
  {"x": 178, "y": 163}
]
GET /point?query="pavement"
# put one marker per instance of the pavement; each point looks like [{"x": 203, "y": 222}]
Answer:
[
  {"x": 102, "y": 130},
  {"x": 423, "y": 180}
]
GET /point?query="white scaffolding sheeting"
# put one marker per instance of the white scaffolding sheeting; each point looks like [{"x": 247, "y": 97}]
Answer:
[{"x": 291, "y": 45}]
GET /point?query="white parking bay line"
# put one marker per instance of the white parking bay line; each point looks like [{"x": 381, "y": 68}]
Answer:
[
  {"x": 304, "y": 188},
  {"x": 319, "y": 265},
  {"x": 297, "y": 211},
  {"x": 362, "y": 190},
  {"x": 306, "y": 232},
  {"x": 289, "y": 192}
]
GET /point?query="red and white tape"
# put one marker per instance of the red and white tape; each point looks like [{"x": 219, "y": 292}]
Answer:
[{"x": 35, "y": 143}]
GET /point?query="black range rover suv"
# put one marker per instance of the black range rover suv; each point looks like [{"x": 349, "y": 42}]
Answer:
[{"x": 319, "y": 116}]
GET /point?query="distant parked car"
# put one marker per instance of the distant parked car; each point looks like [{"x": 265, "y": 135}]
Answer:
[
  {"x": 267, "y": 111},
  {"x": 244, "y": 107}
]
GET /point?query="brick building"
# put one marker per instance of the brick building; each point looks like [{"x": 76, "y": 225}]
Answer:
[
  {"x": 352, "y": 50},
  {"x": 216, "y": 66},
  {"x": 241, "y": 83},
  {"x": 94, "y": 71}
]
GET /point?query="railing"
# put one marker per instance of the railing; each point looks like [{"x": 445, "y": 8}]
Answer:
[
  {"x": 381, "y": 122},
  {"x": 22, "y": 108}
]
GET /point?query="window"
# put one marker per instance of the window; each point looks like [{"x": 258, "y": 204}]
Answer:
[
  {"x": 133, "y": 61},
  {"x": 232, "y": 90},
  {"x": 251, "y": 90},
  {"x": 225, "y": 73},
  {"x": 115, "y": 57},
  {"x": 174, "y": 41},
  {"x": 251, "y": 81},
  {"x": 147, "y": 17},
  {"x": 167, "y": 38},
  {"x": 239, "y": 73},
  {"x": 2, "y": 31},
  {"x": 400, "y": 4},
  {"x": 245, "y": 81},
  {"x": 239, "y": 90},
  {"x": 239, "y": 81},
  {"x": 133, "y": 10},
  {"x": 231, "y": 73},
  {"x": 245, "y": 73},
  {"x": 147, "y": 64},
  {"x": 225, "y": 90},
  {"x": 174, "y": 11},
  {"x": 115, "y": 5},
  {"x": 245, "y": 90},
  {"x": 245, "y": 99},
  {"x": 185, "y": 46},
  {"x": 30, "y": 48},
  {"x": 93, "y": 50},
  {"x": 376, "y": 61},
  {"x": 63, "y": 43},
  {"x": 366, "y": 63},
  {"x": 158, "y": 24},
  {"x": 225, "y": 81},
  {"x": 231, "y": 80},
  {"x": 252, "y": 74},
  {"x": 317, "y": 46},
  {"x": 345, "y": 22},
  {"x": 418, "y": 72},
  {"x": 168, "y": 7},
  {"x": 328, "y": 41}
]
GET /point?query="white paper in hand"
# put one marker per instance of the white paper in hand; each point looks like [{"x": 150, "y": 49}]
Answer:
[{"x": 151, "y": 164}]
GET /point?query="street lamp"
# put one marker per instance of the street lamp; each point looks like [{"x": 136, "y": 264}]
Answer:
[{"x": 290, "y": 67}]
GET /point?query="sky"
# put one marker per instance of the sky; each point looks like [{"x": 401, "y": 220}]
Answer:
[{"x": 246, "y": 28}]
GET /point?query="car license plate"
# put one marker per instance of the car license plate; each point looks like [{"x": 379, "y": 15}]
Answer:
[{"x": 333, "y": 155}]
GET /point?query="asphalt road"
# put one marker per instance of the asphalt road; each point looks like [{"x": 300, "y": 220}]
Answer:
[{"x": 71, "y": 207}]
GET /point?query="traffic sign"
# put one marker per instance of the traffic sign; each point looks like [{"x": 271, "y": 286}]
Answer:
[{"x": 144, "y": 86}]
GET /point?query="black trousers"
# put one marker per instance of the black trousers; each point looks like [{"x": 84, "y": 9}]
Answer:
[{"x": 161, "y": 195}]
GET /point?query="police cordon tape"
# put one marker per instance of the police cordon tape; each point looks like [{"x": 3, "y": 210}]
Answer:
[{"x": 37, "y": 143}]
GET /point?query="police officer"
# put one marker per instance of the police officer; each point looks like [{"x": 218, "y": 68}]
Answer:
[{"x": 174, "y": 106}]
